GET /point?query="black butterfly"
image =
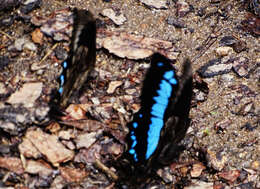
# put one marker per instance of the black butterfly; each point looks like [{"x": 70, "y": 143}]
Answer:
[
  {"x": 163, "y": 120},
  {"x": 82, "y": 56}
]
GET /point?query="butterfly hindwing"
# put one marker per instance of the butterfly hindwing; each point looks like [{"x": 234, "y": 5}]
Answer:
[
  {"x": 81, "y": 58},
  {"x": 178, "y": 122}
]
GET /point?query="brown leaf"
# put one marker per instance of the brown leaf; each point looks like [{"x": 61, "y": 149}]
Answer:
[
  {"x": 88, "y": 155},
  {"x": 28, "y": 150},
  {"x": 57, "y": 25},
  {"x": 75, "y": 112},
  {"x": 175, "y": 166},
  {"x": 67, "y": 134},
  {"x": 27, "y": 94},
  {"x": 49, "y": 146},
  {"x": 85, "y": 124},
  {"x": 132, "y": 46},
  {"x": 38, "y": 167},
  {"x": 12, "y": 163},
  {"x": 230, "y": 176},
  {"x": 222, "y": 125},
  {"x": 85, "y": 140},
  {"x": 216, "y": 161},
  {"x": 37, "y": 36},
  {"x": 113, "y": 85},
  {"x": 197, "y": 169},
  {"x": 218, "y": 186},
  {"x": 184, "y": 171},
  {"x": 72, "y": 174}
]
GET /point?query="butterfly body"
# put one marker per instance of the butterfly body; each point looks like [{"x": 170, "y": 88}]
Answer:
[
  {"x": 162, "y": 120},
  {"x": 81, "y": 58}
]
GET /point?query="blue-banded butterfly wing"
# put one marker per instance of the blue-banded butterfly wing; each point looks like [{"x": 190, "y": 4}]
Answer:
[
  {"x": 81, "y": 58},
  {"x": 165, "y": 105},
  {"x": 159, "y": 87},
  {"x": 178, "y": 120}
]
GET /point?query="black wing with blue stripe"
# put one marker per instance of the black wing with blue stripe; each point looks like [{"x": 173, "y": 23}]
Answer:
[
  {"x": 81, "y": 58},
  {"x": 165, "y": 105}
]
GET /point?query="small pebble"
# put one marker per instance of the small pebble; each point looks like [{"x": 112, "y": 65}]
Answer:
[
  {"x": 61, "y": 53},
  {"x": 7, "y": 21},
  {"x": 175, "y": 22},
  {"x": 255, "y": 7},
  {"x": 4, "y": 61},
  {"x": 30, "y": 46},
  {"x": 224, "y": 51},
  {"x": 158, "y": 4},
  {"x": 7, "y": 5},
  {"x": 227, "y": 41},
  {"x": 19, "y": 43},
  {"x": 215, "y": 67},
  {"x": 30, "y": 5},
  {"x": 118, "y": 19},
  {"x": 240, "y": 46},
  {"x": 183, "y": 8},
  {"x": 240, "y": 66}
]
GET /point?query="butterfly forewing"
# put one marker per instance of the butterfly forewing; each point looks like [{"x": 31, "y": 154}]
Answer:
[
  {"x": 165, "y": 105},
  {"x": 81, "y": 58}
]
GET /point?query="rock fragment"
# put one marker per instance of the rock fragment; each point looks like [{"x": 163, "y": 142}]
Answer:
[
  {"x": 224, "y": 51},
  {"x": 215, "y": 67},
  {"x": 113, "y": 85},
  {"x": 118, "y": 19},
  {"x": 251, "y": 24},
  {"x": 30, "y": 5},
  {"x": 176, "y": 22},
  {"x": 158, "y": 4},
  {"x": 240, "y": 66},
  {"x": 183, "y": 8},
  {"x": 9, "y": 4},
  {"x": 197, "y": 184}
]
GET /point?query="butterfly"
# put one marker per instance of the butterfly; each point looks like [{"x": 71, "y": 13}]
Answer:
[
  {"x": 163, "y": 119},
  {"x": 82, "y": 56}
]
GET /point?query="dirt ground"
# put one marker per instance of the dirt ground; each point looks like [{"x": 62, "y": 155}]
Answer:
[{"x": 225, "y": 119}]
